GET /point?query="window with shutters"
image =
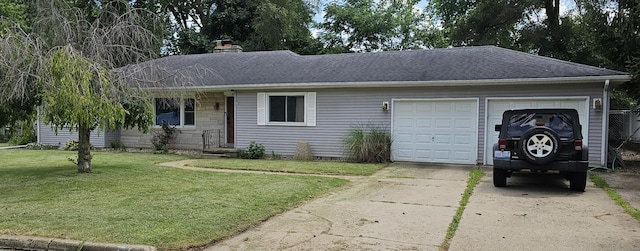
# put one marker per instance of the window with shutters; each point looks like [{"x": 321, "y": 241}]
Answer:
[{"x": 287, "y": 109}]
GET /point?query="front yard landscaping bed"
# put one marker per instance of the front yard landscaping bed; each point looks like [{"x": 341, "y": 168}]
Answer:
[{"x": 129, "y": 199}]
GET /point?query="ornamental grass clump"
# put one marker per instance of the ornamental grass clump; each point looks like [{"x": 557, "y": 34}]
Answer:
[
  {"x": 303, "y": 151},
  {"x": 368, "y": 144}
]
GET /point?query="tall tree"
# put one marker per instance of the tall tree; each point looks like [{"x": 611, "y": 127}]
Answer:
[
  {"x": 255, "y": 24},
  {"x": 67, "y": 62},
  {"x": 526, "y": 25},
  {"x": 17, "y": 14},
  {"x": 13, "y": 11},
  {"x": 613, "y": 35},
  {"x": 283, "y": 24},
  {"x": 371, "y": 25}
]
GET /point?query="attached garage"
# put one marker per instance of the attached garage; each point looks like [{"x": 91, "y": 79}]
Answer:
[
  {"x": 496, "y": 106},
  {"x": 439, "y": 130}
]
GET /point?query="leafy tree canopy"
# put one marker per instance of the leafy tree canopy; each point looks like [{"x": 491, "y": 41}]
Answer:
[
  {"x": 65, "y": 64},
  {"x": 255, "y": 24},
  {"x": 372, "y": 25}
]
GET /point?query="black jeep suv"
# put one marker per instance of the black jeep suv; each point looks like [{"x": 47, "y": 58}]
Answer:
[{"x": 541, "y": 140}]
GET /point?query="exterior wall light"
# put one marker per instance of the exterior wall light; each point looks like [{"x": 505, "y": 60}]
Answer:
[
  {"x": 217, "y": 106},
  {"x": 385, "y": 105},
  {"x": 597, "y": 104}
]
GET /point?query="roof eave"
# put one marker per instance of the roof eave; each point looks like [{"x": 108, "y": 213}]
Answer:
[{"x": 613, "y": 79}]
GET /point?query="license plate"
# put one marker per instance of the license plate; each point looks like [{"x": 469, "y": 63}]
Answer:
[{"x": 502, "y": 154}]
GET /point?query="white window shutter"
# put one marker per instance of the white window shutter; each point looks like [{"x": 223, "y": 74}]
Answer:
[
  {"x": 311, "y": 108},
  {"x": 262, "y": 112}
]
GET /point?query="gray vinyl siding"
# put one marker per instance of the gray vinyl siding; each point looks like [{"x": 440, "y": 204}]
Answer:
[
  {"x": 48, "y": 136},
  {"x": 339, "y": 109}
]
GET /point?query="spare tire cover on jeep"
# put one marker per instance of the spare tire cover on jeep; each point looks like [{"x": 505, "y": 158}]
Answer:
[{"x": 539, "y": 145}]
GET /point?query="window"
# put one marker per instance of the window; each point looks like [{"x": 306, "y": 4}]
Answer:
[
  {"x": 287, "y": 109},
  {"x": 561, "y": 123},
  {"x": 175, "y": 112}
]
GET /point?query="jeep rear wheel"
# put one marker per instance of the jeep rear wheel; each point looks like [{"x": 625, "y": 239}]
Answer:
[
  {"x": 499, "y": 177},
  {"x": 578, "y": 181},
  {"x": 539, "y": 145}
]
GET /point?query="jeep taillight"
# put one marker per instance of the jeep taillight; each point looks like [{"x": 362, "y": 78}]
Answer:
[
  {"x": 577, "y": 144},
  {"x": 502, "y": 144}
]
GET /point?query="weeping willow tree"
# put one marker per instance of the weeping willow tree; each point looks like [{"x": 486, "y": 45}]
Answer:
[{"x": 66, "y": 63}]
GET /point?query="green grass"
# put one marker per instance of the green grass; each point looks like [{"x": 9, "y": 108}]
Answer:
[
  {"x": 290, "y": 166},
  {"x": 4, "y": 144},
  {"x": 628, "y": 208},
  {"x": 474, "y": 179},
  {"x": 129, "y": 199}
]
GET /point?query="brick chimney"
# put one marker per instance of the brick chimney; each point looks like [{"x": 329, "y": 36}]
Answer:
[{"x": 224, "y": 46}]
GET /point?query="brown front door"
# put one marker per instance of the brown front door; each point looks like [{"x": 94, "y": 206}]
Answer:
[{"x": 230, "y": 109}]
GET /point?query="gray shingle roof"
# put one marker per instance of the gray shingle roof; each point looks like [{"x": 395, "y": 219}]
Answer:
[{"x": 454, "y": 64}]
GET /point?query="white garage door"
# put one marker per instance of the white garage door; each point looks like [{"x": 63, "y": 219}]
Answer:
[
  {"x": 496, "y": 107},
  {"x": 442, "y": 131}
]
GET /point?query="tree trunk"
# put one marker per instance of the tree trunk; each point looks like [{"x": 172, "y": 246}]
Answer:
[{"x": 84, "y": 149}]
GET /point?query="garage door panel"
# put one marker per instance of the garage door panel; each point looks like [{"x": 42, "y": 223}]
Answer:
[
  {"x": 403, "y": 139},
  {"x": 422, "y": 110},
  {"x": 405, "y": 122},
  {"x": 462, "y": 139},
  {"x": 443, "y": 123},
  {"x": 496, "y": 107},
  {"x": 422, "y": 138},
  {"x": 403, "y": 110},
  {"x": 437, "y": 128},
  {"x": 443, "y": 107},
  {"x": 424, "y": 123},
  {"x": 465, "y": 109},
  {"x": 442, "y": 139},
  {"x": 461, "y": 155},
  {"x": 442, "y": 155},
  {"x": 404, "y": 153},
  {"x": 464, "y": 124}
]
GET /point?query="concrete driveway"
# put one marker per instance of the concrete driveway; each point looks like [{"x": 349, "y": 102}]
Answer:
[
  {"x": 540, "y": 213},
  {"x": 402, "y": 207},
  {"x": 409, "y": 207}
]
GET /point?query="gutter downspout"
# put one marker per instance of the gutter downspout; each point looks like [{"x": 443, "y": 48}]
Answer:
[{"x": 605, "y": 123}]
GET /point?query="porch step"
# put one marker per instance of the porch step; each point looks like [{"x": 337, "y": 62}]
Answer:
[
  {"x": 221, "y": 152},
  {"x": 215, "y": 156}
]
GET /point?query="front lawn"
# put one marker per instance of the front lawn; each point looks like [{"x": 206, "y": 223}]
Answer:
[
  {"x": 129, "y": 199},
  {"x": 4, "y": 144},
  {"x": 290, "y": 166}
]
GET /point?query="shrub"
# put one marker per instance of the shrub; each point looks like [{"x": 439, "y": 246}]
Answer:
[
  {"x": 4, "y": 137},
  {"x": 38, "y": 146},
  {"x": 26, "y": 137},
  {"x": 253, "y": 151},
  {"x": 276, "y": 156},
  {"x": 368, "y": 143},
  {"x": 72, "y": 145},
  {"x": 163, "y": 137},
  {"x": 117, "y": 145}
]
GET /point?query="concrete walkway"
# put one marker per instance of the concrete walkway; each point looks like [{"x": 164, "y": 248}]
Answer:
[
  {"x": 402, "y": 207},
  {"x": 12, "y": 147}
]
